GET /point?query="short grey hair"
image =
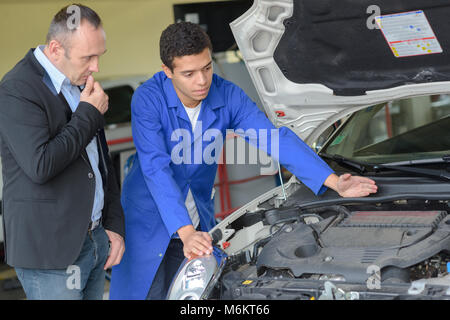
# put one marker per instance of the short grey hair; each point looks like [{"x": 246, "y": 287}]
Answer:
[{"x": 64, "y": 23}]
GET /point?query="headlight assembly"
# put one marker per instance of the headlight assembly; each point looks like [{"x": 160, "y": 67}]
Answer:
[{"x": 192, "y": 278}]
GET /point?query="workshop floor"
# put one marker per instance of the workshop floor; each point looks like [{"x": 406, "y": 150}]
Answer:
[{"x": 10, "y": 288}]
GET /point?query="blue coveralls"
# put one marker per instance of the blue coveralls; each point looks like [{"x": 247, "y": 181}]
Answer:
[{"x": 155, "y": 189}]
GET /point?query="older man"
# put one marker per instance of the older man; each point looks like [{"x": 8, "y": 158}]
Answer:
[{"x": 61, "y": 205}]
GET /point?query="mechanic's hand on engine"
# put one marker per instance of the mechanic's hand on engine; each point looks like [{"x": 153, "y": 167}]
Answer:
[
  {"x": 351, "y": 186},
  {"x": 195, "y": 243}
]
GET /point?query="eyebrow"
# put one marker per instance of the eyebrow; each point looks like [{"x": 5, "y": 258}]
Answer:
[
  {"x": 93, "y": 55},
  {"x": 187, "y": 71}
]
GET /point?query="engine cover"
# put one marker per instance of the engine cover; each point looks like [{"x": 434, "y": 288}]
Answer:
[{"x": 348, "y": 245}]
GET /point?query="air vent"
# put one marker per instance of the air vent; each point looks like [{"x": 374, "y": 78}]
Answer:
[
  {"x": 370, "y": 255},
  {"x": 394, "y": 219}
]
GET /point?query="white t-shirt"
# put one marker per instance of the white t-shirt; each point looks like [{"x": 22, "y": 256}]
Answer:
[
  {"x": 191, "y": 207},
  {"x": 193, "y": 114}
]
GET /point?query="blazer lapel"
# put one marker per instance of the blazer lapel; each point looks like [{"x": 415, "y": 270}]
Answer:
[
  {"x": 67, "y": 109},
  {"x": 68, "y": 113},
  {"x": 102, "y": 155}
]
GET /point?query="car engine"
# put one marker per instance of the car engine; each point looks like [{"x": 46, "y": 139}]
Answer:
[{"x": 369, "y": 251}]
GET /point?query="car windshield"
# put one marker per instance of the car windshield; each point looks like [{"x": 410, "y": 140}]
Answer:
[{"x": 409, "y": 129}]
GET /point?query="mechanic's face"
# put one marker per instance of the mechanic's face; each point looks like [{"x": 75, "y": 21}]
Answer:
[
  {"x": 81, "y": 58},
  {"x": 191, "y": 77}
]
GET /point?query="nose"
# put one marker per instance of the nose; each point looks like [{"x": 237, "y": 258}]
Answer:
[
  {"x": 202, "y": 79},
  {"x": 93, "y": 66}
]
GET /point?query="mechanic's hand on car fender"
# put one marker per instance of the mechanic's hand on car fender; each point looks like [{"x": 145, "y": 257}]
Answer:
[
  {"x": 195, "y": 243},
  {"x": 94, "y": 94},
  {"x": 349, "y": 186}
]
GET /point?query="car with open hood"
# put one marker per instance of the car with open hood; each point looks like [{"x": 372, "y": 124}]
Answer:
[{"x": 367, "y": 84}]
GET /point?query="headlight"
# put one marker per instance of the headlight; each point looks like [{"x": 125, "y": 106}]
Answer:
[{"x": 192, "y": 278}]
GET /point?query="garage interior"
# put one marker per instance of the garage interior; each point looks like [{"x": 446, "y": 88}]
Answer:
[{"x": 133, "y": 28}]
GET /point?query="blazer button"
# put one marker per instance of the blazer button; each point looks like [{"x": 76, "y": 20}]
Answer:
[{"x": 90, "y": 175}]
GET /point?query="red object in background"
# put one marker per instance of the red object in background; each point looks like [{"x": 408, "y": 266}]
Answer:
[
  {"x": 119, "y": 141},
  {"x": 280, "y": 113}
]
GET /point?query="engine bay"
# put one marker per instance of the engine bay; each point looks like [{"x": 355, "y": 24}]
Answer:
[{"x": 379, "y": 249}]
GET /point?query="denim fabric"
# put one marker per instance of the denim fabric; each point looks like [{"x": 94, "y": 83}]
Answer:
[{"x": 85, "y": 279}]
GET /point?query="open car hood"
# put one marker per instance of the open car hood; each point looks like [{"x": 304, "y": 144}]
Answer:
[{"x": 314, "y": 62}]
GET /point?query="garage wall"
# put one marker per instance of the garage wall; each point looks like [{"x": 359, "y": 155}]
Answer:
[{"x": 133, "y": 28}]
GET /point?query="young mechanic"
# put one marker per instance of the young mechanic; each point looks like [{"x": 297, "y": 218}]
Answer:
[{"x": 169, "y": 205}]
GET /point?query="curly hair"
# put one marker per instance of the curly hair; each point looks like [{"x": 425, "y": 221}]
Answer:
[{"x": 182, "y": 39}]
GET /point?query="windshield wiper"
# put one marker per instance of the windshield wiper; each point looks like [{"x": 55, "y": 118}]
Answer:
[
  {"x": 362, "y": 167},
  {"x": 442, "y": 174},
  {"x": 346, "y": 162},
  {"x": 445, "y": 158}
]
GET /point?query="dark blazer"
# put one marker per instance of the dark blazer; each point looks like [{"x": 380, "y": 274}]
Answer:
[{"x": 49, "y": 185}]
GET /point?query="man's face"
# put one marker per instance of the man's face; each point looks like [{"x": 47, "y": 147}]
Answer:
[
  {"x": 191, "y": 77},
  {"x": 81, "y": 58}
]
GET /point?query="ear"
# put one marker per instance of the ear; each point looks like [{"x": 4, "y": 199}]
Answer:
[
  {"x": 55, "y": 49},
  {"x": 167, "y": 71}
]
